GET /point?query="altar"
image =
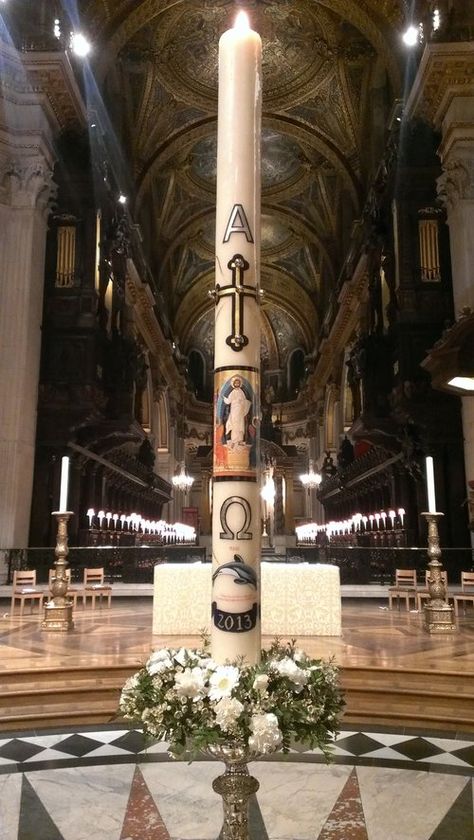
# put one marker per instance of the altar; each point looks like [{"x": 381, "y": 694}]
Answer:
[{"x": 296, "y": 599}]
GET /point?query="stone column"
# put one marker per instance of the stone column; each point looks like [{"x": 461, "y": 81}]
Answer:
[
  {"x": 25, "y": 187},
  {"x": 443, "y": 94},
  {"x": 456, "y": 188}
]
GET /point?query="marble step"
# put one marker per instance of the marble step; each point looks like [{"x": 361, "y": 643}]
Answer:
[
  {"x": 85, "y": 695},
  {"x": 409, "y": 679},
  {"x": 72, "y": 675}
]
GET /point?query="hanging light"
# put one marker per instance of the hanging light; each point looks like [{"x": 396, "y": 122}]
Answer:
[
  {"x": 411, "y": 35},
  {"x": 182, "y": 481},
  {"x": 268, "y": 490},
  {"x": 79, "y": 44},
  {"x": 311, "y": 479}
]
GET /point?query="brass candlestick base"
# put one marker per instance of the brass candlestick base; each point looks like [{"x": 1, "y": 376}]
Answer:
[
  {"x": 439, "y": 615},
  {"x": 58, "y": 610},
  {"x": 235, "y": 786}
]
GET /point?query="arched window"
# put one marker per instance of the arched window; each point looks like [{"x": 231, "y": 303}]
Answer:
[
  {"x": 296, "y": 371},
  {"x": 197, "y": 372}
]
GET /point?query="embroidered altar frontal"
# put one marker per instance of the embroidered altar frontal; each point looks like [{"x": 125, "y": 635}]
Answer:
[{"x": 297, "y": 600}]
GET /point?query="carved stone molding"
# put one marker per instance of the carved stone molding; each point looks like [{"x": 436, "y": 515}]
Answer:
[
  {"x": 446, "y": 71},
  {"x": 456, "y": 181},
  {"x": 27, "y": 183}
]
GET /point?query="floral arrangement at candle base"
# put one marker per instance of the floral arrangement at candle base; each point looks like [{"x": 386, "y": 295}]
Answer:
[
  {"x": 185, "y": 698},
  {"x": 235, "y": 712}
]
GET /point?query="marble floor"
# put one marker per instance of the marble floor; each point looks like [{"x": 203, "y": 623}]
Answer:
[{"x": 103, "y": 784}]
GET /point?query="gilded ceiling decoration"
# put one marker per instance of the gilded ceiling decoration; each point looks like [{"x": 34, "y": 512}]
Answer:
[{"x": 325, "y": 64}]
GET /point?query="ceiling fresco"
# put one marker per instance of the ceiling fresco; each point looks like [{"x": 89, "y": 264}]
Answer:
[{"x": 332, "y": 71}]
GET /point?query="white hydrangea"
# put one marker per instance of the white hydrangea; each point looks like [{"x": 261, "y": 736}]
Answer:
[
  {"x": 266, "y": 735},
  {"x": 222, "y": 681},
  {"x": 227, "y": 711},
  {"x": 190, "y": 683},
  {"x": 127, "y": 698},
  {"x": 288, "y": 668}
]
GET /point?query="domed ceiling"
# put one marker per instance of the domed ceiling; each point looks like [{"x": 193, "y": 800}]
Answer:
[{"x": 331, "y": 72}]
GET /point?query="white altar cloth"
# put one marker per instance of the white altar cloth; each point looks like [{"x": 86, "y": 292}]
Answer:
[{"x": 297, "y": 599}]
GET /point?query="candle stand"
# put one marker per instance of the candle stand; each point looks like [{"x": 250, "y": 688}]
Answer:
[
  {"x": 58, "y": 610},
  {"x": 438, "y": 614}
]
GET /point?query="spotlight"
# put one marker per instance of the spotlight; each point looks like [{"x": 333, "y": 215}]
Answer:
[
  {"x": 410, "y": 36},
  {"x": 80, "y": 45},
  {"x": 122, "y": 199}
]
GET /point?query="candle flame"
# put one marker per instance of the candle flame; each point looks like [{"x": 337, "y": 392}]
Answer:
[{"x": 242, "y": 22}]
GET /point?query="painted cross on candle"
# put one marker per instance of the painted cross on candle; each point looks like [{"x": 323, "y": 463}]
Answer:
[{"x": 238, "y": 265}]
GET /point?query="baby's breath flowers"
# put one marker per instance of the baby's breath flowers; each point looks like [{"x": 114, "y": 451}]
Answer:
[{"x": 185, "y": 698}]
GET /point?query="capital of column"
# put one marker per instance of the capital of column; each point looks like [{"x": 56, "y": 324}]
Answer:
[
  {"x": 27, "y": 182},
  {"x": 456, "y": 182}
]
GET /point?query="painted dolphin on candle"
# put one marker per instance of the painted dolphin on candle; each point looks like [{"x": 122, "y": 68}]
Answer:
[{"x": 241, "y": 572}]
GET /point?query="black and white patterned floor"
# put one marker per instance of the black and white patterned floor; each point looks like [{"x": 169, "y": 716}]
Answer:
[{"x": 106, "y": 784}]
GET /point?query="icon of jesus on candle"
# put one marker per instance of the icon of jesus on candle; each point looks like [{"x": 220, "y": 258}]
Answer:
[{"x": 239, "y": 409}]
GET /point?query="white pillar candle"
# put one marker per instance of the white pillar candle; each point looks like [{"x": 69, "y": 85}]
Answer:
[
  {"x": 64, "y": 484},
  {"x": 236, "y": 526},
  {"x": 430, "y": 485}
]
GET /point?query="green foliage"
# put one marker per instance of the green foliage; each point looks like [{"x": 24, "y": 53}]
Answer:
[{"x": 185, "y": 698}]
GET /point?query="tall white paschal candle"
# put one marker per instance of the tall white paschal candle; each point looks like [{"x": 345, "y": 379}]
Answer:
[
  {"x": 236, "y": 523},
  {"x": 430, "y": 485}
]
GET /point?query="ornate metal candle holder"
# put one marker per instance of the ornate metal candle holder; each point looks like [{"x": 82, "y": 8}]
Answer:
[
  {"x": 235, "y": 786},
  {"x": 439, "y": 615},
  {"x": 58, "y": 610}
]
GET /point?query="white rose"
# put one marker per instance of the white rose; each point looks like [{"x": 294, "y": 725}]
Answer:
[
  {"x": 158, "y": 666},
  {"x": 287, "y": 668},
  {"x": 227, "y": 711},
  {"x": 260, "y": 683},
  {"x": 222, "y": 681},
  {"x": 182, "y": 656},
  {"x": 190, "y": 683}
]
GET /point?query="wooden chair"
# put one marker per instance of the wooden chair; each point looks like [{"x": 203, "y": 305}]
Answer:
[
  {"x": 405, "y": 587},
  {"x": 94, "y": 585},
  {"x": 423, "y": 594},
  {"x": 24, "y": 589},
  {"x": 467, "y": 592},
  {"x": 72, "y": 592}
]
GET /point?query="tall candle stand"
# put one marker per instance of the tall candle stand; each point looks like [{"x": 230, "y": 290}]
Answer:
[
  {"x": 58, "y": 610},
  {"x": 439, "y": 615}
]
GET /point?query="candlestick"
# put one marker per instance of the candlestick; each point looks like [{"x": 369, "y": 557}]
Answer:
[
  {"x": 401, "y": 513},
  {"x": 58, "y": 610},
  {"x": 236, "y": 531},
  {"x": 430, "y": 485},
  {"x": 439, "y": 615},
  {"x": 64, "y": 484}
]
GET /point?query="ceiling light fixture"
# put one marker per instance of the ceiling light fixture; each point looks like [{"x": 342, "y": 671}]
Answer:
[
  {"x": 80, "y": 45},
  {"x": 410, "y": 36},
  {"x": 122, "y": 199}
]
